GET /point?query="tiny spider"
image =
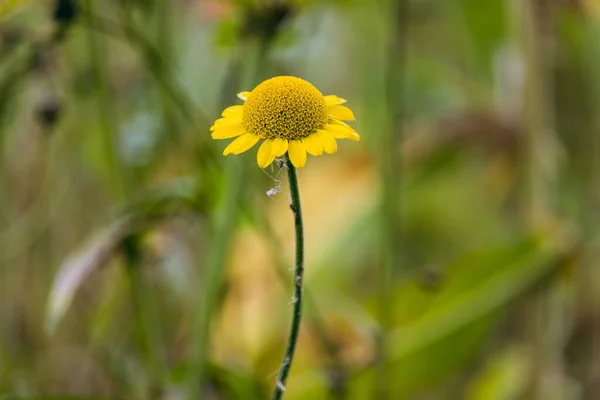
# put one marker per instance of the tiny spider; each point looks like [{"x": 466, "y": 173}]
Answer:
[
  {"x": 271, "y": 193},
  {"x": 274, "y": 190}
]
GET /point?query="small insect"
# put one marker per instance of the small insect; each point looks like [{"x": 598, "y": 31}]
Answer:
[
  {"x": 271, "y": 193},
  {"x": 274, "y": 190}
]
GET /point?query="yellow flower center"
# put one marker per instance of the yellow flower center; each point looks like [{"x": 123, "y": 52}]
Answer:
[{"x": 284, "y": 107}]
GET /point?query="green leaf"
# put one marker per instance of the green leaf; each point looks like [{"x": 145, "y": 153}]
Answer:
[
  {"x": 505, "y": 378},
  {"x": 435, "y": 343}
]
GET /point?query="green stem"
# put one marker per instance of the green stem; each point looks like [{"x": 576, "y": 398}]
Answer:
[
  {"x": 97, "y": 56},
  {"x": 298, "y": 283},
  {"x": 224, "y": 228},
  {"x": 146, "y": 321},
  {"x": 335, "y": 368},
  {"x": 545, "y": 320},
  {"x": 390, "y": 167},
  {"x": 225, "y": 222}
]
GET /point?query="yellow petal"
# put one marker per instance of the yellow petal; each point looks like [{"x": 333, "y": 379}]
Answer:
[
  {"x": 217, "y": 123},
  {"x": 342, "y": 132},
  {"x": 233, "y": 110},
  {"x": 226, "y": 131},
  {"x": 265, "y": 155},
  {"x": 340, "y": 112},
  {"x": 280, "y": 146},
  {"x": 328, "y": 141},
  {"x": 243, "y": 95},
  {"x": 226, "y": 121},
  {"x": 241, "y": 144},
  {"x": 297, "y": 153},
  {"x": 338, "y": 122},
  {"x": 313, "y": 145},
  {"x": 355, "y": 136},
  {"x": 332, "y": 100}
]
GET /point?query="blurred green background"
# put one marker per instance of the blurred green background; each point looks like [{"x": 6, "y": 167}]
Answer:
[{"x": 451, "y": 254}]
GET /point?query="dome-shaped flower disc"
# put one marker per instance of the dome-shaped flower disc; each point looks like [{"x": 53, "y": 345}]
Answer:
[{"x": 290, "y": 115}]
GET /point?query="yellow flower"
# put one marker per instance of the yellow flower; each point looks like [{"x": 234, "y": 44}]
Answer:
[{"x": 290, "y": 115}]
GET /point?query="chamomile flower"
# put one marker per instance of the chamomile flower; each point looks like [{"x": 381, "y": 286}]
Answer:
[{"x": 289, "y": 115}]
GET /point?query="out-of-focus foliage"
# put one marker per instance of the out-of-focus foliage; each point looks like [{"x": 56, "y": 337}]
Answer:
[{"x": 136, "y": 262}]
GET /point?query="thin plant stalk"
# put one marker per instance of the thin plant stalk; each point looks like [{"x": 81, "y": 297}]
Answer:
[
  {"x": 165, "y": 44},
  {"x": 539, "y": 160},
  {"x": 98, "y": 63},
  {"x": 296, "y": 207},
  {"x": 590, "y": 199},
  {"x": 375, "y": 94},
  {"x": 225, "y": 222},
  {"x": 391, "y": 176},
  {"x": 336, "y": 370},
  {"x": 146, "y": 319},
  {"x": 224, "y": 226}
]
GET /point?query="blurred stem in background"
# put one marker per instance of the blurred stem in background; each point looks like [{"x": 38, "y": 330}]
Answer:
[
  {"x": 580, "y": 123},
  {"x": 539, "y": 140},
  {"x": 546, "y": 309},
  {"x": 147, "y": 324},
  {"x": 163, "y": 39},
  {"x": 105, "y": 115},
  {"x": 589, "y": 278},
  {"x": 252, "y": 59},
  {"x": 383, "y": 88}
]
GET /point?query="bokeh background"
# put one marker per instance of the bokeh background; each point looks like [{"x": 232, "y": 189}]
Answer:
[{"x": 451, "y": 254}]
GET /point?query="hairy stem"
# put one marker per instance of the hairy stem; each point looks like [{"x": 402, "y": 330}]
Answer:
[
  {"x": 334, "y": 368},
  {"x": 286, "y": 364}
]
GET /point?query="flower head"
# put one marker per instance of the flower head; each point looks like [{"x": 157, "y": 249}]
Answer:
[{"x": 290, "y": 115}]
